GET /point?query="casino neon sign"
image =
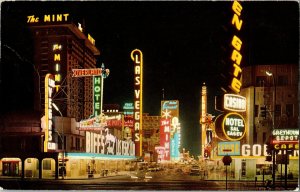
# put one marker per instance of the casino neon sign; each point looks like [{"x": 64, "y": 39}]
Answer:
[{"x": 234, "y": 102}]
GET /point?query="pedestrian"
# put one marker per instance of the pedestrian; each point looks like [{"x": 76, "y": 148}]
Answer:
[{"x": 268, "y": 184}]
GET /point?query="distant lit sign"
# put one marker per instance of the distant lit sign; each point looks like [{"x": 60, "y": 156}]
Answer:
[
  {"x": 234, "y": 102},
  {"x": 128, "y": 106},
  {"x": 233, "y": 126},
  {"x": 165, "y": 128},
  {"x": 172, "y": 106},
  {"x": 231, "y": 148},
  {"x": 49, "y": 86},
  {"x": 285, "y": 136},
  {"x": 86, "y": 72},
  {"x": 169, "y": 105},
  {"x": 93, "y": 124}
]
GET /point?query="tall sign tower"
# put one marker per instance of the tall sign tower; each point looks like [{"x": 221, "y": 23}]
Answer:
[{"x": 137, "y": 58}]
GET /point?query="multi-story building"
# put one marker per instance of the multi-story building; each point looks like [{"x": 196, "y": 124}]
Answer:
[
  {"x": 276, "y": 87},
  {"x": 151, "y": 136},
  {"x": 59, "y": 47}
]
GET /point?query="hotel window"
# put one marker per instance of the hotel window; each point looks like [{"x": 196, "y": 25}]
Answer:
[
  {"x": 256, "y": 111},
  {"x": 277, "y": 110},
  {"x": 261, "y": 81},
  {"x": 282, "y": 80},
  {"x": 289, "y": 109},
  {"x": 77, "y": 143}
]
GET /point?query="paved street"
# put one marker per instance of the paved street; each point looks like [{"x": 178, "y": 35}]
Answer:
[{"x": 153, "y": 181}]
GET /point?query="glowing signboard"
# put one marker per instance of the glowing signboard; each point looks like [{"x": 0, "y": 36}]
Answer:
[
  {"x": 285, "y": 136},
  {"x": 233, "y": 126},
  {"x": 57, "y": 63},
  {"x": 96, "y": 123},
  {"x": 86, "y": 72},
  {"x": 137, "y": 58},
  {"x": 234, "y": 102},
  {"x": 231, "y": 148},
  {"x": 236, "y": 43},
  {"x": 106, "y": 143},
  {"x": 49, "y": 86},
  {"x": 97, "y": 81},
  {"x": 165, "y": 126},
  {"x": 48, "y": 18}
]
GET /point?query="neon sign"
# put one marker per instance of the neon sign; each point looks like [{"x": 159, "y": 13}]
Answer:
[
  {"x": 234, "y": 103},
  {"x": 57, "y": 76},
  {"x": 49, "y": 86},
  {"x": 137, "y": 58},
  {"x": 233, "y": 126},
  {"x": 48, "y": 18},
  {"x": 165, "y": 127},
  {"x": 236, "y": 42}
]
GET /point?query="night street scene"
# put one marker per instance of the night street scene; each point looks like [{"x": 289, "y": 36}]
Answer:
[{"x": 149, "y": 95}]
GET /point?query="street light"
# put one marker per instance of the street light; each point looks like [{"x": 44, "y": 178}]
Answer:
[
  {"x": 62, "y": 140},
  {"x": 270, "y": 74}
]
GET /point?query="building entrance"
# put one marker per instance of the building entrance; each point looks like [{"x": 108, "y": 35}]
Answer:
[{"x": 10, "y": 168}]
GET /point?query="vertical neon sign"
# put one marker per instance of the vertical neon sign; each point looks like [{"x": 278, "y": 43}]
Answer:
[
  {"x": 137, "y": 58},
  {"x": 49, "y": 86}
]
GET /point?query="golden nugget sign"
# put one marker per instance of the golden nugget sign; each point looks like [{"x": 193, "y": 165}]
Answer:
[
  {"x": 236, "y": 43},
  {"x": 234, "y": 103},
  {"x": 137, "y": 57},
  {"x": 233, "y": 126},
  {"x": 49, "y": 86}
]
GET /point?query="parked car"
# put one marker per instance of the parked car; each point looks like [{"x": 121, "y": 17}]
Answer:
[{"x": 195, "y": 170}]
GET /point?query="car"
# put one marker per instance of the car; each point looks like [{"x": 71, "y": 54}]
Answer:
[{"x": 195, "y": 170}]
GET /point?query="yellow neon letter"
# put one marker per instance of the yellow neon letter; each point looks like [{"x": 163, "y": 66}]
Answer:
[
  {"x": 237, "y": 22},
  {"x": 237, "y": 8},
  {"x": 56, "y": 57},
  {"x": 236, "y": 57},
  {"x": 47, "y": 18},
  {"x": 236, "y": 85},
  {"x": 237, "y": 70},
  {"x": 236, "y": 43}
]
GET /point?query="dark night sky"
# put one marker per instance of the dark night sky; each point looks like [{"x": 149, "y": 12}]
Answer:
[{"x": 181, "y": 43}]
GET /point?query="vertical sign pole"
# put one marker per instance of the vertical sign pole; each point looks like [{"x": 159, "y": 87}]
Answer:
[{"x": 137, "y": 58}]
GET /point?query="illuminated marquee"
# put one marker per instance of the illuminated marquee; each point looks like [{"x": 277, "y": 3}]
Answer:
[
  {"x": 49, "y": 86},
  {"x": 234, "y": 103},
  {"x": 236, "y": 42},
  {"x": 137, "y": 58},
  {"x": 233, "y": 126}
]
